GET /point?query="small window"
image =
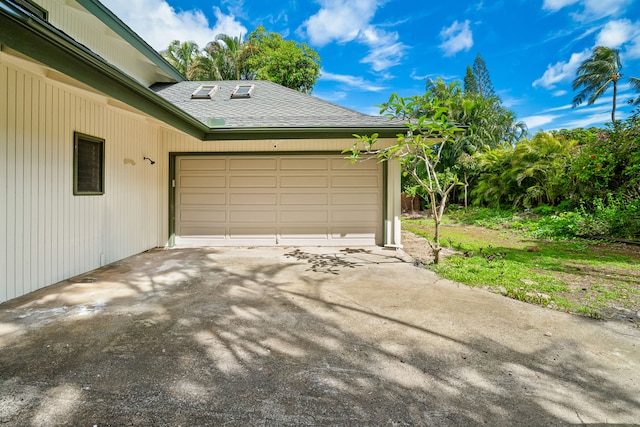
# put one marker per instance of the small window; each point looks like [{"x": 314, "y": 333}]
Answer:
[
  {"x": 242, "y": 91},
  {"x": 32, "y": 8},
  {"x": 88, "y": 165},
  {"x": 204, "y": 92}
]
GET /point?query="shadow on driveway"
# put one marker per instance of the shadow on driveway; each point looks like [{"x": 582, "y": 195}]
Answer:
[{"x": 307, "y": 336}]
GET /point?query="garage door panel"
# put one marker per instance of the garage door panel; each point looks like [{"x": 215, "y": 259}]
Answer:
[
  {"x": 277, "y": 200},
  {"x": 252, "y": 164},
  {"x": 199, "y": 215},
  {"x": 203, "y": 198},
  {"x": 252, "y": 181},
  {"x": 252, "y": 216},
  {"x": 364, "y": 199},
  {"x": 299, "y": 216},
  {"x": 304, "y": 199},
  {"x": 340, "y": 163},
  {"x": 354, "y": 181},
  {"x": 200, "y": 231},
  {"x": 304, "y": 164},
  {"x": 203, "y": 164},
  {"x": 303, "y": 181},
  {"x": 253, "y": 199},
  {"x": 202, "y": 181},
  {"x": 261, "y": 233},
  {"x": 353, "y": 216}
]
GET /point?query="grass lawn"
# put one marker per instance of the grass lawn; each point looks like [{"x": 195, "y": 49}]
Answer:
[{"x": 594, "y": 278}]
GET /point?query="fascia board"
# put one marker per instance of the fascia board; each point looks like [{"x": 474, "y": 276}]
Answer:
[
  {"x": 298, "y": 133},
  {"x": 52, "y": 47},
  {"x": 123, "y": 30}
]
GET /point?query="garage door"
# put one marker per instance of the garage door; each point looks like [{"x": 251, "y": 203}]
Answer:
[{"x": 277, "y": 200}]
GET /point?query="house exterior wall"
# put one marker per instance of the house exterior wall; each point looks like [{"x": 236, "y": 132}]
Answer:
[
  {"x": 76, "y": 21},
  {"x": 48, "y": 234}
]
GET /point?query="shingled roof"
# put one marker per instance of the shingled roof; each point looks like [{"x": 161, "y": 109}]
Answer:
[{"x": 270, "y": 106}]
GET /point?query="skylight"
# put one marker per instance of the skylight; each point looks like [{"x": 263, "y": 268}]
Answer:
[
  {"x": 242, "y": 91},
  {"x": 204, "y": 92}
]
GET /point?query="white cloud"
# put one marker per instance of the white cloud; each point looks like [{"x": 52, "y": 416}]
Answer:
[
  {"x": 339, "y": 20},
  {"x": 554, "y": 5},
  {"x": 538, "y": 120},
  {"x": 385, "y": 49},
  {"x": 590, "y": 9},
  {"x": 594, "y": 9},
  {"x": 561, "y": 71},
  {"x": 344, "y": 21},
  {"x": 560, "y": 92},
  {"x": 352, "y": 81},
  {"x": 158, "y": 23},
  {"x": 616, "y": 33},
  {"x": 456, "y": 38},
  {"x": 561, "y": 108}
]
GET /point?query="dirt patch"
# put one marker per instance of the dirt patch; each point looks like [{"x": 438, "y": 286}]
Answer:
[{"x": 419, "y": 248}]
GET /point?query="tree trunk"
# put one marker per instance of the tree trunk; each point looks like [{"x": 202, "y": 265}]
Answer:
[
  {"x": 613, "y": 110},
  {"x": 466, "y": 192},
  {"x": 436, "y": 254}
]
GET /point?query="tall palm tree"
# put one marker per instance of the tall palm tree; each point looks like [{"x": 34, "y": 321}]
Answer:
[
  {"x": 596, "y": 74},
  {"x": 228, "y": 56},
  {"x": 183, "y": 56},
  {"x": 635, "y": 84}
]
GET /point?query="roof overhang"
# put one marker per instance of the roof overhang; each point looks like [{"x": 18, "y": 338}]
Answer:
[{"x": 44, "y": 43}]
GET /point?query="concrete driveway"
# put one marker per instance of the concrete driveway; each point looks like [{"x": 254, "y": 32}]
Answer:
[{"x": 304, "y": 336}]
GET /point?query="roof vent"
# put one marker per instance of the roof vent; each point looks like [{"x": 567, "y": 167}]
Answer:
[
  {"x": 204, "y": 92},
  {"x": 242, "y": 91}
]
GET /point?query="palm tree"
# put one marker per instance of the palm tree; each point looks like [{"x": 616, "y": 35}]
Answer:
[
  {"x": 596, "y": 74},
  {"x": 635, "y": 84},
  {"x": 184, "y": 56},
  {"x": 228, "y": 56}
]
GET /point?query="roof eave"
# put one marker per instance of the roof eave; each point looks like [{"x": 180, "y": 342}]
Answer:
[
  {"x": 123, "y": 30},
  {"x": 262, "y": 133},
  {"x": 52, "y": 47}
]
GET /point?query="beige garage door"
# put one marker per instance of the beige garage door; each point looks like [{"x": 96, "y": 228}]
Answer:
[{"x": 277, "y": 200}]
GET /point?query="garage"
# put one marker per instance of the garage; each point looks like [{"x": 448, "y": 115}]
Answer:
[{"x": 271, "y": 200}]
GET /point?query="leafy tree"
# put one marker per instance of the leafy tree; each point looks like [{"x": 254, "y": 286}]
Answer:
[
  {"x": 184, "y": 56},
  {"x": 418, "y": 150},
  {"x": 493, "y": 186},
  {"x": 532, "y": 173},
  {"x": 609, "y": 164},
  {"x": 229, "y": 58},
  {"x": 264, "y": 55},
  {"x": 596, "y": 74},
  {"x": 286, "y": 62},
  {"x": 484, "y": 87}
]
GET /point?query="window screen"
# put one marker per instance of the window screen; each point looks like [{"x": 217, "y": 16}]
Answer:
[{"x": 88, "y": 162}]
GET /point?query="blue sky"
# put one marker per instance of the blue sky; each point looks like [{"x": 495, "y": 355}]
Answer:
[{"x": 372, "y": 48}]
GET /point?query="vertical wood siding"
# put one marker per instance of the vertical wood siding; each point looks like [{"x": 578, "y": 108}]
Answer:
[
  {"x": 71, "y": 17},
  {"x": 46, "y": 233}
]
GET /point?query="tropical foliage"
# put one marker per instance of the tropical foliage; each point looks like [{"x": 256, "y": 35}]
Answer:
[
  {"x": 263, "y": 55},
  {"x": 587, "y": 181}
]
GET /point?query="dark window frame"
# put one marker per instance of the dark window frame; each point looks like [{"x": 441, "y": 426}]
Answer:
[{"x": 88, "y": 179}]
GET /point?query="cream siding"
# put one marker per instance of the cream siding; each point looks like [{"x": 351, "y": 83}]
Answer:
[
  {"x": 47, "y": 233},
  {"x": 81, "y": 25}
]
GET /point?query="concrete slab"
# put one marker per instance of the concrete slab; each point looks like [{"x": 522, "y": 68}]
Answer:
[{"x": 307, "y": 336}]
